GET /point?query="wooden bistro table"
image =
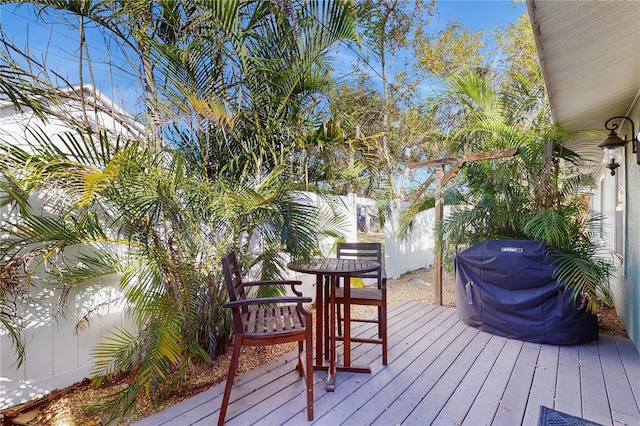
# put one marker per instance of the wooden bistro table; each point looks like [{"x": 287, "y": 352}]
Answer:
[{"x": 325, "y": 301}]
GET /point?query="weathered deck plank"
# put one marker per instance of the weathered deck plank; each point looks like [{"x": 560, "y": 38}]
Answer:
[
  {"x": 568, "y": 384},
  {"x": 388, "y": 384},
  {"x": 486, "y": 404},
  {"x": 466, "y": 392},
  {"x": 595, "y": 404},
  {"x": 407, "y": 320},
  {"x": 444, "y": 385},
  {"x": 335, "y": 407},
  {"x": 362, "y": 354},
  {"x": 431, "y": 361},
  {"x": 403, "y": 354},
  {"x": 631, "y": 364},
  {"x": 621, "y": 399},
  {"x": 440, "y": 372},
  {"x": 511, "y": 408},
  {"x": 544, "y": 378}
]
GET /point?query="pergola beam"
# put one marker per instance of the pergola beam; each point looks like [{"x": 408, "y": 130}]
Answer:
[{"x": 442, "y": 179}]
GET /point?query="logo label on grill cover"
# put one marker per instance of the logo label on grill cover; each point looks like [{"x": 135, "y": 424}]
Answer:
[{"x": 511, "y": 249}]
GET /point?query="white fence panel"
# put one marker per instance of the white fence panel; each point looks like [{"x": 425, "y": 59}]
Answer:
[
  {"x": 414, "y": 252},
  {"x": 401, "y": 256},
  {"x": 345, "y": 206},
  {"x": 56, "y": 355}
]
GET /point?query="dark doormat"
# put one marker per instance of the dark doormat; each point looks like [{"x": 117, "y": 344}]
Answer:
[{"x": 550, "y": 417}]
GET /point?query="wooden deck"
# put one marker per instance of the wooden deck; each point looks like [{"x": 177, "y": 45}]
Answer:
[{"x": 440, "y": 372}]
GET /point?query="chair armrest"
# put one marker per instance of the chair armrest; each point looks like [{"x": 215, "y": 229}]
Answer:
[
  {"x": 266, "y": 301},
  {"x": 292, "y": 283},
  {"x": 272, "y": 282}
]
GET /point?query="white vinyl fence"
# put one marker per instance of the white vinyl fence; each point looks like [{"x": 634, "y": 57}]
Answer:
[
  {"x": 401, "y": 256},
  {"x": 414, "y": 252},
  {"x": 58, "y": 354}
]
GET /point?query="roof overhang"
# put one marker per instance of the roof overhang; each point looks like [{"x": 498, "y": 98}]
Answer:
[{"x": 590, "y": 57}]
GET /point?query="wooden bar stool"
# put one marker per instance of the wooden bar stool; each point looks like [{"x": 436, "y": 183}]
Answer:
[{"x": 369, "y": 296}]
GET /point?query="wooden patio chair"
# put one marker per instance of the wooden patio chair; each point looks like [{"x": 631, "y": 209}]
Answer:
[
  {"x": 370, "y": 296},
  {"x": 267, "y": 321}
]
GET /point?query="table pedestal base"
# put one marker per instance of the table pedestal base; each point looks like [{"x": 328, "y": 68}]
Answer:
[{"x": 331, "y": 377}]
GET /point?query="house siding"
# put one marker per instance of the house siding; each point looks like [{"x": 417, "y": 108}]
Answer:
[{"x": 630, "y": 309}]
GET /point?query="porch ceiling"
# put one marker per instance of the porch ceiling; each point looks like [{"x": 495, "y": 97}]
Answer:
[{"x": 590, "y": 57}]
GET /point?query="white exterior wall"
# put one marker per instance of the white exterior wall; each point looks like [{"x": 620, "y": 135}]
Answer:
[
  {"x": 604, "y": 202},
  {"x": 627, "y": 284},
  {"x": 615, "y": 199}
]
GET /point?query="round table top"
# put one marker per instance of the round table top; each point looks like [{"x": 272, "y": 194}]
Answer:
[{"x": 333, "y": 266}]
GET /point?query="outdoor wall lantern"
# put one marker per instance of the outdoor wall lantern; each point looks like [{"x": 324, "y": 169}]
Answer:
[{"x": 613, "y": 146}]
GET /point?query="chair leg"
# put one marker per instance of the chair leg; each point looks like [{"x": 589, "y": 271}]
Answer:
[
  {"x": 327, "y": 287},
  {"x": 237, "y": 344},
  {"x": 339, "y": 313},
  {"x": 308, "y": 375},
  {"x": 383, "y": 334},
  {"x": 300, "y": 352}
]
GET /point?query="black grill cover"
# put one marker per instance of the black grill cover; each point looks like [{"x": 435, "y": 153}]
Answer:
[{"x": 505, "y": 287}]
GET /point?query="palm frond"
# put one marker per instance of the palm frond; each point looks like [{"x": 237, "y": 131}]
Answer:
[{"x": 584, "y": 278}]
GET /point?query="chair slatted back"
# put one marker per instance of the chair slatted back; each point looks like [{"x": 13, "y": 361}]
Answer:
[
  {"x": 233, "y": 278},
  {"x": 369, "y": 251}
]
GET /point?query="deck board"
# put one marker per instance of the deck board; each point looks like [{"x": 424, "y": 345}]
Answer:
[
  {"x": 467, "y": 391},
  {"x": 567, "y": 393},
  {"x": 440, "y": 372},
  {"x": 444, "y": 385},
  {"x": 631, "y": 364},
  {"x": 514, "y": 400},
  {"x": 420, "y": 380},
  {"x": 544, "y": 378},
  {"x": 404, "y": 352},
  {"x": 595, "y": 403},
  {"x": 389, "y": 384},
  {"x": 621, "y": 400},
  {"x": 484, "y": 407},
  {"x": 350, "y": 383}
]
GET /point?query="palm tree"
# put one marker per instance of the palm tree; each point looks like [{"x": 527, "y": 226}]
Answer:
[
  {"x": 537, "y": 195},
  {"x": 233, "y": 101}
]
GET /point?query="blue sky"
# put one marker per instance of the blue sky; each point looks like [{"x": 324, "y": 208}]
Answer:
[
  {"x": 482, "y": 14},
  {"x": 47, "y": 37},
  {"x": 20, "y": 26},
  {"x": 474, "y": 15}
]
